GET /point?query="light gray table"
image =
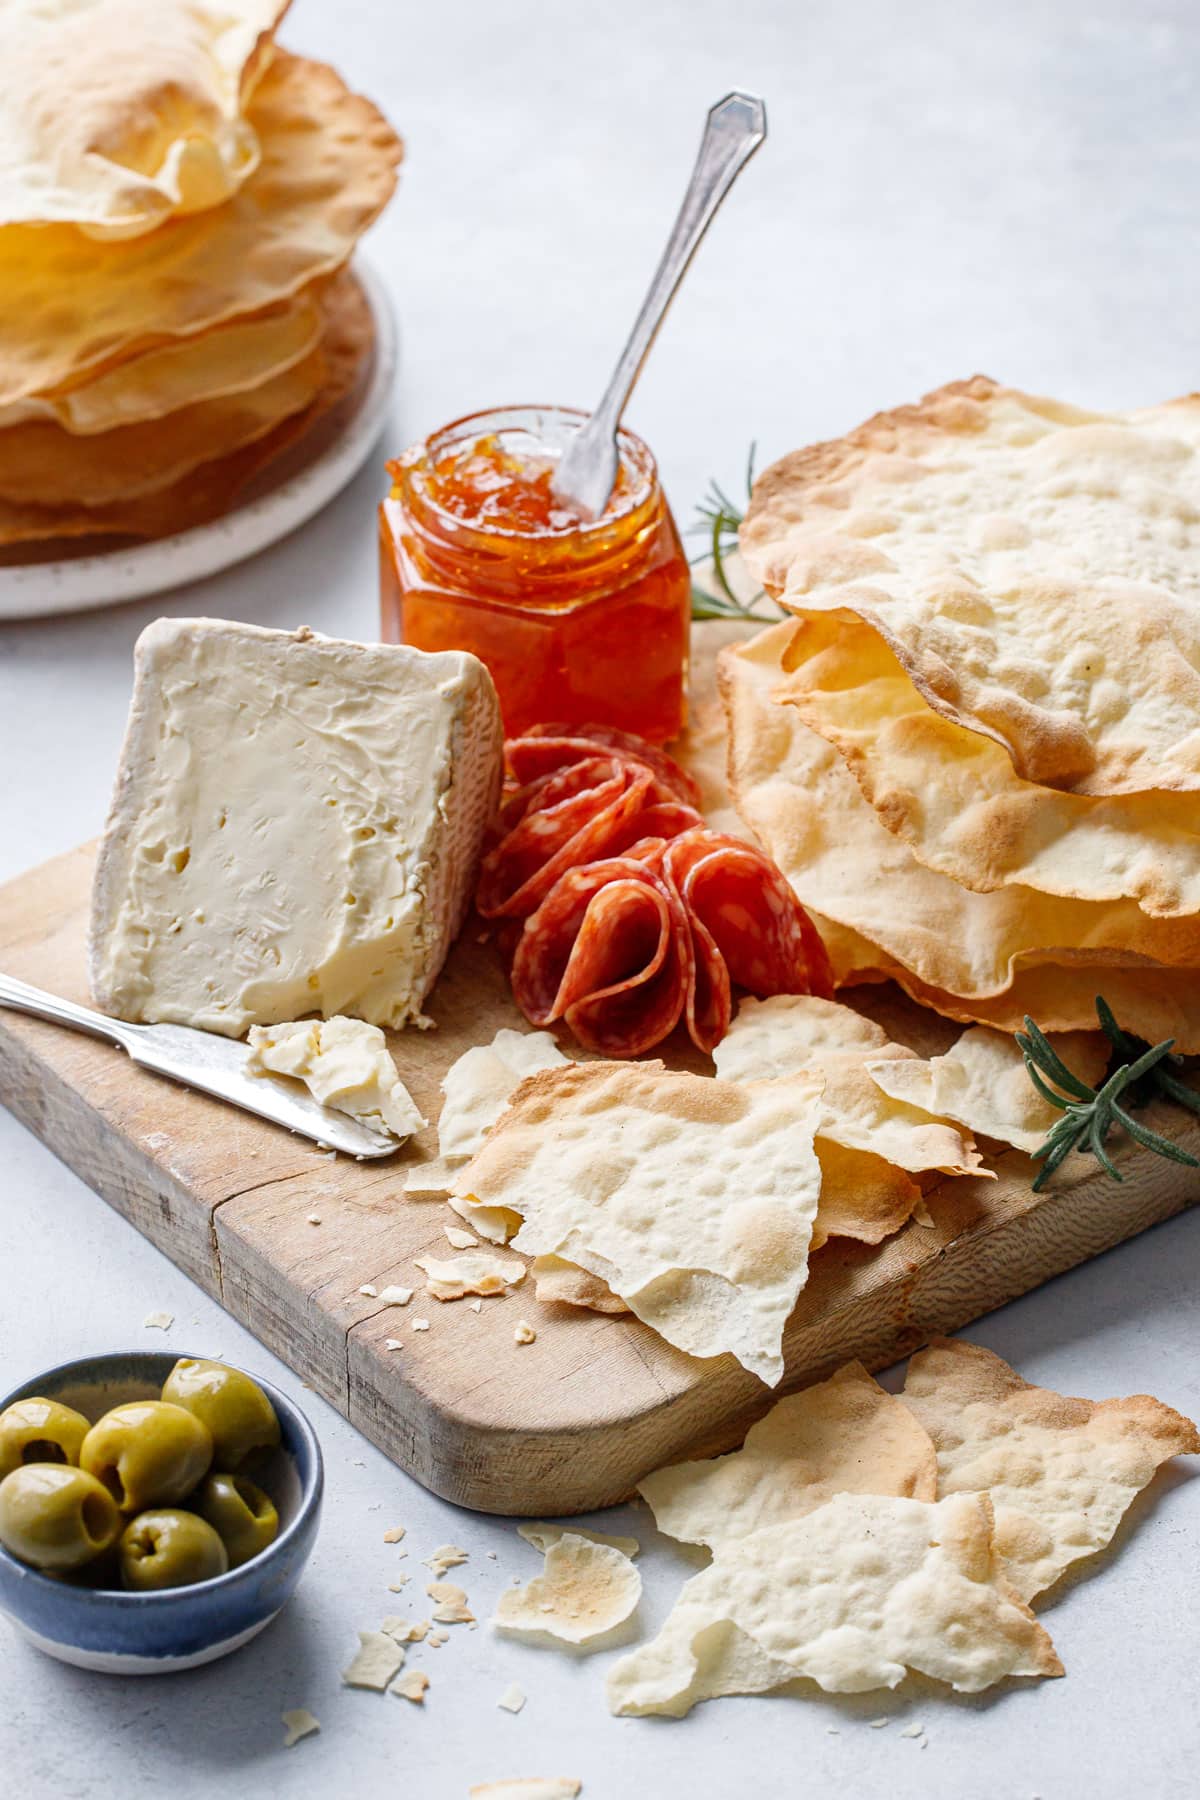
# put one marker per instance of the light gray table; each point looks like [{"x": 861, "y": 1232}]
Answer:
[{"x": 948, "y": 187}]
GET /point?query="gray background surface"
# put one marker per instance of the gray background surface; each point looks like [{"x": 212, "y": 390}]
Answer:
[{"x": 948, "y": 187}]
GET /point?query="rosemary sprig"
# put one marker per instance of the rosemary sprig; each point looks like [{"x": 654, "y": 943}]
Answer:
[
  {"x": 1089, "y": 1114},
  {"x": 718, "y": 518}
]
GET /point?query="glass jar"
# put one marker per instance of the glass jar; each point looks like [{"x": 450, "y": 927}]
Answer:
[{"x": 578, "y": 620}]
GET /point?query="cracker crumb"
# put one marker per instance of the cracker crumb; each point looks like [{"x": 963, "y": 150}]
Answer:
[
  {"x": 915, "y": 1730},
  {"x": 446, "y": 1556},
  {"x": 394, "y": 1534},
  {"x": 524, "y": 1333},
  {"x": 398, "y": 1586},
  {"x": 396, "y": 1296},
  {"x": 314, "y": 1218},
  {"x": 477, "y": 1306},
  {"x": 512, "y": 1699},
  {"x": 392, "y": 1344},
  {"x": 372, "y": 1293},
  {"x": 492, "y": 1555},
  {"x": 450, "y": 1603},
  {"x": 158, "y": 1321},
  {"x": 411, "y": 1686},
  {"x": 460, "y": 1239},
  {"x": 420, "y": 1324},
  {"x": 298, "y": 1724},
  {"x": 878, "y": 1724},
  {"x": 419, "y": 1632},
  {"x": 436, "y": 1639},
  {"x": 378, "y": 1659}
]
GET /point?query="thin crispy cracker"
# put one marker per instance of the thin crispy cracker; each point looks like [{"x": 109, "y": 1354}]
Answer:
[
  {"x": 1061, "y": 1472},
  {"x": 1055, "y": 612},
  {"x": 842, "y": 1436}
]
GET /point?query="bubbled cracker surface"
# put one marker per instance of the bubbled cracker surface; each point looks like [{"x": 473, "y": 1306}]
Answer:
[
  {"x": 844, "y": 1435},
  {"x": 1033, "y": 565},
  {"x": 853, "y": 1596},
  {"x": 1061, "y": 1472},
  {"x": 692, "y": 1198}
]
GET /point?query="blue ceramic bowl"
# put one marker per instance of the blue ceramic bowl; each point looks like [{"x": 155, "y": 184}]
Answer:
[{"x": 177, "y": 1628}]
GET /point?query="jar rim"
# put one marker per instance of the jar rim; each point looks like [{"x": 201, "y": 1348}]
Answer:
[{"x": 636, "y": 457}]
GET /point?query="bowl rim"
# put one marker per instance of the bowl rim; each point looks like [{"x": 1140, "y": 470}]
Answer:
[{"x": 310, "y": 1491}]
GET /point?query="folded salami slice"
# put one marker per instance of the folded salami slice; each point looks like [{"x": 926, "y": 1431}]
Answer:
[
  {"x": 608, "y": 951},
  {"x": 592, "y": 808},
  {"x": 580, "y": 814},
  {"x": 546, "y": 747},
  {"x": 741, "y": 899}
]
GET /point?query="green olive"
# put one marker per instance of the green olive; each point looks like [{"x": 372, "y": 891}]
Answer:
[
  {"x": 40, "y": 1431},
  {"x": 242, "y": 1515},
  {"x": 147, "y": 1453},
  {"x": 55, "y": 1517},
  {"x": 234, "y": 1408},
  {"x": 166, "y": 1549}
]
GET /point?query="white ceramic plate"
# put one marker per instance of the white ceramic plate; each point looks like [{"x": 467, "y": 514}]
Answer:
[{"x": 288, "y": 494}]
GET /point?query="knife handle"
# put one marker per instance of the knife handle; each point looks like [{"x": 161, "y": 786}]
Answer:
[{"x": 23, "y": 998}]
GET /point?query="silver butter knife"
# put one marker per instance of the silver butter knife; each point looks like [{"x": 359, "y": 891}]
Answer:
[{"x": 215, "y": 1065}]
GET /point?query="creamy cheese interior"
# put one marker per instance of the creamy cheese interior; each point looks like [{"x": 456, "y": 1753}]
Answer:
[
  {"x": 295, "y": 828},
  {"x": 344, "y": 1063}
]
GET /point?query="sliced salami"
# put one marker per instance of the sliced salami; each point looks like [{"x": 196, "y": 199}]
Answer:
[
  {"x": 562, "y": 830},
  {"x": 766, "y": 939},
  {"x": 609, "y": 952},
  {"x": 546, "y": 747}
]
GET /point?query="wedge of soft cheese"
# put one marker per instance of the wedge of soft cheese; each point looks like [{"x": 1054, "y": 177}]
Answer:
[
  {"x": 295, "y": 829},
  {"x": 344, "y": 1063}
]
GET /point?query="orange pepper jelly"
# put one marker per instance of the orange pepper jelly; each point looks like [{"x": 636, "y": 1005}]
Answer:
[{"x": 579, "y": 620}]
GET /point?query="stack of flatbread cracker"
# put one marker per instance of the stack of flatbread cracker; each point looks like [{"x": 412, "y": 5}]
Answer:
[
  {"x": 857, "y": 1536},
  {"x": 974, "y": 745},
  {"x": 179, "y": 200}
]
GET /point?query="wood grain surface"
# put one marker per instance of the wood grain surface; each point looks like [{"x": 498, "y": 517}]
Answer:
[{"x": 571, "y": 1421}]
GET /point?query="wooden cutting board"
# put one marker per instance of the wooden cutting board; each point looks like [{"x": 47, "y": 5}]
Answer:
[{"x": 570, "y": 1422}]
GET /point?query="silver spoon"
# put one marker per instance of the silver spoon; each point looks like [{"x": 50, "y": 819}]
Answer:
[{"x": 736, "y": 126}]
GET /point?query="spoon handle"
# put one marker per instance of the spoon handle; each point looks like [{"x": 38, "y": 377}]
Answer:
[{"x": 735, "y": 127}]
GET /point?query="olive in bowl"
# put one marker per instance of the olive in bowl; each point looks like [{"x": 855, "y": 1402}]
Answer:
[{"x": 180, "y": 1581}]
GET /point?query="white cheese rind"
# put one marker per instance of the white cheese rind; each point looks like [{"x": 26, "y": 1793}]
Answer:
[{"x": 295, "y": 828}]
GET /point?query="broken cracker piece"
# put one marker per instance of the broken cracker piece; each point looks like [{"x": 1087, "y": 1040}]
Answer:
[
  {"x": 450, "y": 1603},
  {"x": 692, "y": 1198},
  {"x": 158, "y": 1321},
  {"x": 377, "y": 1661},
  {"x": 297, "y": 1724},
  {"x": 523, "y": 1332},
  {"x": 460, "y": 1238},
  {"x": 541, "y": 1536},
  {"x": 412, "y": 1685},
  {"x": 432, "y": 1179},
  {"x": 585, "y": 1590},
  {"x": 529, "y": 1787},
  {"x": 853, "y": 1596},
  {"x": 420, "y": 1324},
  {"x": 475, "y": 1272},
  {"x": 396, "y": 1296},
  {"x": 844, "y": 1435},
  {"x": 555, "y": 1279},
  {"x": 394, "y": 1533},
  {"x": 1061, "y": 1472},
  {"x": 479, "y": 1085},
  {"x": 512, "y": 1699},
  {"x": 446, "y": 1556}
]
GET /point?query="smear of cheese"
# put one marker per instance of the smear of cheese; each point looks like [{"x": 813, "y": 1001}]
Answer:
[
  {"x": 295, "y": 827},
  {"x": 344, "y": 1064}
]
